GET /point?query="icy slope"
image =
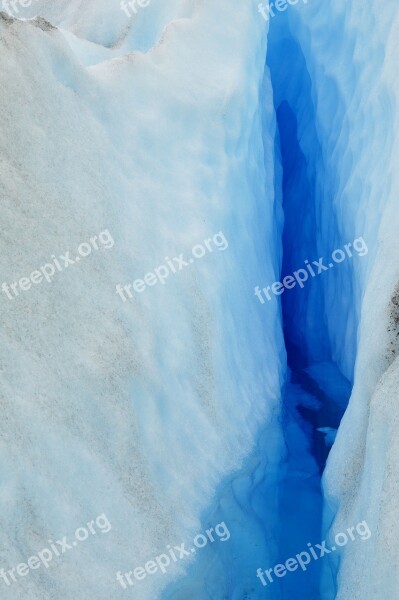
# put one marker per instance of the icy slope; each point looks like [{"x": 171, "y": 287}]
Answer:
[
  {"x": 135, "y": 409},
  {"x": 361, "y": 476}
]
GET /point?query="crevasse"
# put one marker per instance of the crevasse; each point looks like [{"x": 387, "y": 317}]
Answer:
[
  {"x": 164, "y": 136},
  {"x": 316, "y": 392},
  {"x": 282, "y": 504}
]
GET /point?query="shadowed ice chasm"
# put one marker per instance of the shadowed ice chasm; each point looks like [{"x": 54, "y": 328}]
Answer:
[{"x": 273, "y": 507}]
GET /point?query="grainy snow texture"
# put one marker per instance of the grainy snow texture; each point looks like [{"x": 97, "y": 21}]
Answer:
[{"x": 135, "y": 409}]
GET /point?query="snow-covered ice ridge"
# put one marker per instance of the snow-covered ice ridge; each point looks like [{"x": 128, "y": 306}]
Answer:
[{"x": 166, "y": 413}]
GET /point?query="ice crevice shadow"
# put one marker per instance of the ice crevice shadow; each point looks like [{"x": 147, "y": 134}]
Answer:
[{"x": 316, "y": 391}]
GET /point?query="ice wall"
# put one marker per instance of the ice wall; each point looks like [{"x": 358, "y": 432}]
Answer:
[
  {"x": 366, "y": 446},
  {"x": 350, "y": 52},
  {"x": 135, "y": 409}
]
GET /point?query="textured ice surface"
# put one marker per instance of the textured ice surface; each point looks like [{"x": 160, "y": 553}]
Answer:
[
  {"x": 351, "y": 56},
  {"x": 164, "y": 412},
  {"x": 140, "y": 409},
  {"x": 360, "y": 476},
  {"x": 351, "y": 52}
]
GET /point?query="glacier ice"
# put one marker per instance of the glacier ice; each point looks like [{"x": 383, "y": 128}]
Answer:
[
  {"x": 102, "y": 414},
  {"x": 193, "y": 403}
]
